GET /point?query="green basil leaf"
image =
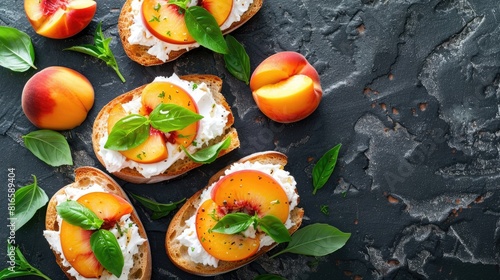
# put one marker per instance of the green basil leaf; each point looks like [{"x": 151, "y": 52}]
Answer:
[
  {"x": 107, "y": 251},
  {"x": 49, "y": 146},
  {"x": 237, "y": 60},
  {"x": 269, "y": 277},
  {"x": 181, "y": 3},
  {"x": 21, "y": 267},
  {"x": 233, "y": 223},
  {"x": 171, "y": 117},
  {"x": 86, "y": 49},
  {"x": 129, "y": 132},
  {"x": 316, "y": 240},
  {"x": 77, "y": 214},
  {"x": 204, "y": 29},
  {"x": 273, "y": 227},
  {"x": 323, "y": 169},
  {"x": 208, "y": 154},
  {"x": 16, "y": 50},
  {"x": 160, "y": 210},
  {"x": 29, "y": 199}
]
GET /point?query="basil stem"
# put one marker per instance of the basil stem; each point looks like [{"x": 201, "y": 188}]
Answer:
[
  {"x": 203, "y": 27},
  {"x": 129, "y": 132},
  {"x": 323, "y": 169},
  {"x": 234, "y": 223},
  {"x": 77, "y": 214},
  {"x": 49, "y": 146},
  {"x": 159, "y": 210},
  {"x": 208, "y": 154},
  {"x": 237, "y": 60},
  {"x": 21, "y": 268},
  {"x": 107, "y": 251},
  {"x": 28, "y": 200},
  {"x": 171, "y": 117},
  {"x": 16, "y": 50},
  {"x": 273, "y": 227}
]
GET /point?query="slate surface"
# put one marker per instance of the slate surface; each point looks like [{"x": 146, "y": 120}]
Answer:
[{"x": 411, "y": 90}]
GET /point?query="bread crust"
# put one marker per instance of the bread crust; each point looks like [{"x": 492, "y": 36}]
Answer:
[
  {"x": 179, "y": 167},
  {"x": 178, "y": 253},
  {"x": 84, "y": 176},
  {"x": 140, "y": 54}
]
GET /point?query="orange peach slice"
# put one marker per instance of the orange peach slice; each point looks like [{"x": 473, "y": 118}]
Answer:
[
  {"x": 220, "y": 9},
  {"x": 75, "y": 241},
  {"x": 165, "y": 92},
  {"x": 226, "y": 247}
]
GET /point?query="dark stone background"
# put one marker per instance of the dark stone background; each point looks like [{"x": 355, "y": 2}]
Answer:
[{"x": 411, "y": 90}]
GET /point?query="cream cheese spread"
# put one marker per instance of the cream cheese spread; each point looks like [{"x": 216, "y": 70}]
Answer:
[
  {"x": 189, "y": 237},
  {"x": 128, "y": 237},
  {"x": 210, "y": 126},
  {"x": 139, "y": 35}
]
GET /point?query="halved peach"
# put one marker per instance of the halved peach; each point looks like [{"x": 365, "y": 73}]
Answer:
[
  {"x": 253, "y": 192},
  {"x": 75, "y": 241},
  {"x": 165, "y": 92},
  {"x": 226, "y": 247},
  {"x": 153, "y": 150}
]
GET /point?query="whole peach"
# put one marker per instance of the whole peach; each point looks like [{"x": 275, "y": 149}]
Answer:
[
  {"x": 286, "y": 87},
  {"x": 57, "y": 98}
]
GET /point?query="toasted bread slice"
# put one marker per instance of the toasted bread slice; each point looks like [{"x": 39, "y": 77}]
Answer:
[
  {"x": 178, "y": 253},
  {"x": 84, "y": 177},
  {"x": 140, "y": 53},
  {"x": 181, "y": 166}
]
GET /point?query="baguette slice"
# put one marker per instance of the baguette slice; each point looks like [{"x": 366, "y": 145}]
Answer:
[
  {"x": 180, "y": 167},
  {"x": 178, "y": 253},
  {"x": 140, "y": 54},
  {"x": 85, "y": 176}
]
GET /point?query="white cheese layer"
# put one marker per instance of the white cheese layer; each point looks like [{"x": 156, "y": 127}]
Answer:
[
  {"x": 210, "y": 126},
  {"x": 189, "y": 237},
  {"x": 139, "y": 35},
  {"x": 129, "y": 238}
]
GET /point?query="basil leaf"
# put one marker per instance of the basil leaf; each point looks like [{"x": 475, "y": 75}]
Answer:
[
  {"x": 77, "y": 214},
  {"x": 208, "y": 154},
  {"x": 100, "y": 50},
  {"x": 273, "y": 227},
  {"x": 16, "y": 50},
  {"x": 204, "y": 29},
  {"x": 316, "y": 240},
  {"x": 129, "y": 132},
  {"x": 49, "y": 146},
  {"x": 323, "y": 169},
  {"x": 20, "y": 267},
  {"x": 269, "y": 277},
  {"x": 107, "y": 251},
  {"x": 170, "y": 117},
  {"x": 237, "y": 60},
  {"x": 28, "y": 200},
  {"x": 160, "y": 210},
  {"x": 233, "y": 223}
]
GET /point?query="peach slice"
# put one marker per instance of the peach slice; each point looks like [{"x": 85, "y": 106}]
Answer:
[
  {"x": 153, "y": 150},
  {"x": 59, "y": 19},
  {"x": 75, "y": 241},
  {"x": 286, "y": 87},
  {"x": 165, "y": 92},
  {"x": 252, "y": 192},
  {"x": 166, "y": 22},
  {"x": 226, "y": 247}
]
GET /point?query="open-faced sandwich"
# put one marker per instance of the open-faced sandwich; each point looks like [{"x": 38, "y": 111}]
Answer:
[
  {"x": 245, "y": 210},
  {"x": 94, "y": 231},
  {"x": 154, "y": 32},
  {"x": 163, "y": 129}
]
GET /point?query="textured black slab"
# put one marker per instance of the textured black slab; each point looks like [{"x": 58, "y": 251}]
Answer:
[{"x": 411, "y": 90}]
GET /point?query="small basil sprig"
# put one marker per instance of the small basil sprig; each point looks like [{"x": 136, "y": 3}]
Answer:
[
  {"x": 208, "y": 154},
  {"x": 132, "y": 130},
  {"x": 20, "y": 266},
  {"x": 159, "y": 210},
  {"x": 49, "y": 146},
  {"x": 100, "y": 49},
  {"x": 237, "y": 60},
  {"x": 16, "y": 50},
  {"x": 323, "y": 169},
  {"x": 107, "y": 251},
  {"x": 234, "y": 223},
  {"x": 28, "y": 200},
  {"x": 77, "y": 214}
]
